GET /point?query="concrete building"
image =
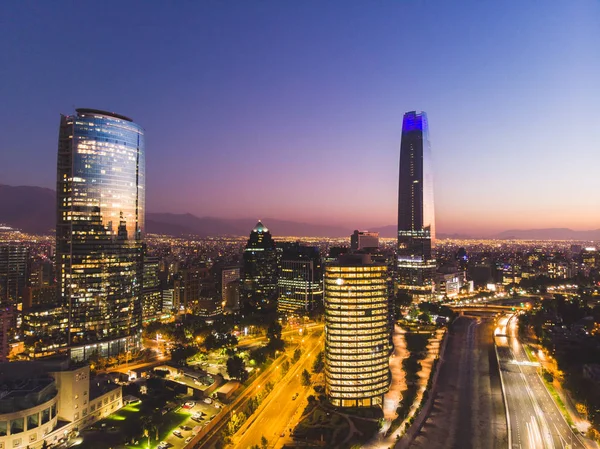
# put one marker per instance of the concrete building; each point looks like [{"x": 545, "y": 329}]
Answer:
[
  {"x": 50, "y": 400},
  {"x": 360, "y": 240}
]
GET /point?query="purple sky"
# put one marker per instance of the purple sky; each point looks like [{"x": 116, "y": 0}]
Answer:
[{"x": 293, "y": 110}]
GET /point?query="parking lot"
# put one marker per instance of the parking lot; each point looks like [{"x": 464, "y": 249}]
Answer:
[{"x": 207, "y": 414}]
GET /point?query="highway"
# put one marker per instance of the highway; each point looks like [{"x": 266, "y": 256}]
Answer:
[
  {"x": 468, "y": 412},
  {"x": 279, "y": 412},
  {"x": 535, "y": 420}
]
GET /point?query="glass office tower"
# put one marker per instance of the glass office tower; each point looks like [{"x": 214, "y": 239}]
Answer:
[
  {"x": 357, "y": 331},
  {"x": 99, "y": 231},
  {"x": 260, "y": 269},
  {"x": 416, "y": 221}
]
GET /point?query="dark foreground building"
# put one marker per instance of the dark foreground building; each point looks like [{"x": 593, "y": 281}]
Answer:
[
  {"x": 416, "y": 221},
  {"x": 99, "y": 231},
  {"x": 260, "y": 269}
]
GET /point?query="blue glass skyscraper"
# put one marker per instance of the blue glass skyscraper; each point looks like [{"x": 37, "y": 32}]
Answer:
[
  {"x": 99, "y": 231},
  {"x": 416, "y": 219}
]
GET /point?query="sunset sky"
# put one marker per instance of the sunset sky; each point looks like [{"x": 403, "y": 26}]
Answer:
[{"x": 293, "y": 109}]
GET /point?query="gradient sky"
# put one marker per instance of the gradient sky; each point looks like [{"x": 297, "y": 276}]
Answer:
[{"x": 293, "y": 109}]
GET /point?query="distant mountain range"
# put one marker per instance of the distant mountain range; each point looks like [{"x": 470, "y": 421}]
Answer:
[
  {"x": 33, "y": 210},
  {"x": 549, "y": 234}
]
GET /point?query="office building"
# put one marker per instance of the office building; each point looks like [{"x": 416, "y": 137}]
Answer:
[
  {"x": 99, "y": 231},
  {"x": 364, "y": 240},
  {"x": 168, "y": 300},
  {"x": 13, "y": 273},
  {"x": 416, "y": 221},
  {"x": 230, "y": 288},
  {"x": 260, "y": 269},
  {"x": 300, "y": 284},
  {"x": 357, "y": 331},
  {"x": 151, "y": 291},
  {"x": 7, "y": 313}
]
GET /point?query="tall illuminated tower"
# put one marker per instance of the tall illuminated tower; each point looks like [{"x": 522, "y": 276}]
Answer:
[
  {"x": 357, "y": 331},
  {"x": 416, "y": 221},
  {"x": 260, "y": 269},
  {"x": 99, "y": 231}
]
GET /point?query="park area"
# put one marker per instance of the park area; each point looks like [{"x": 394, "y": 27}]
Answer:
[
  {"x": 124, "y": 429},
  {"x": 322, "y": 426}
]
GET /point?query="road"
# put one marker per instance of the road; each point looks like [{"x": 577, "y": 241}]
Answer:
[
  {"x": 535, "y": 420},
  {"x": 468, "y": 412},
  {"x": 278, "y": 413}
]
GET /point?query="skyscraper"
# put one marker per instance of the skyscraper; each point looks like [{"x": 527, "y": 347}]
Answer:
[
  {"x": 151, "y": 291},
  {"x": 416, "y": 221},
  {"x": 99, "y": 230},
  {"x": 300, "y": 283},
  {"x": 13, "y": 273},
  {"x": 260, "y": 269},
  {"x": 357, "y": 331}
]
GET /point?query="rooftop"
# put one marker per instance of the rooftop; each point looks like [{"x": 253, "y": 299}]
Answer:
[{"x": 100, "y": 112}]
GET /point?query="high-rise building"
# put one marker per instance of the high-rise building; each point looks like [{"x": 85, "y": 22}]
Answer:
[
  {"x": 357, "y": 330},
  {"x": 99, "y": 230},
  {"x": 6, "y": 323},
  {"x": 151, "y": 291},
  {"x": 300, "y": 283},
  {"x": 416, "y": 221},
  {"x": 13, "y": 273},
  {"x": 230, "y": 288},
  {"x": 260, "y": 269},
  {"x": 360, "y": 240}
]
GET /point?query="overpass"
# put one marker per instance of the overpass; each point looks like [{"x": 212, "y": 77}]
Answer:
[{"x": 485, "y": 308}]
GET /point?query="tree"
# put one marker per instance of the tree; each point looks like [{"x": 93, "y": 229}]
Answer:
[
  {"x": 274, "y": 331},
  {"x": 425, "y": 317},
  {"x": 305, "y": 378},
  {"x": 180, "y": 353},
  {"x": 264, "y": 443},
  {"x": 319, "y": 363},
  {"x": 297, "y": 354},
  {"x": 274, "y": 335},
  {"x": 236, "y": 368}
]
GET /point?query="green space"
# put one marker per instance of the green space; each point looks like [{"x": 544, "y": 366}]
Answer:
[
  {"x": 118, "y": 427},
  {"x": 416, "y": 343},
  {"x": 319, "y": 424}
]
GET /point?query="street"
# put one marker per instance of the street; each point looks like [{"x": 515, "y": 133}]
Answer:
[
  {"x": 468, "y": 410},
  {"x": 275, "y": 415},
  {"x": 535, "y": 422}
]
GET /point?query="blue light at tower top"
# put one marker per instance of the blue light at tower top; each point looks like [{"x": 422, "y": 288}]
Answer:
[{"x": 413, "y": 121}]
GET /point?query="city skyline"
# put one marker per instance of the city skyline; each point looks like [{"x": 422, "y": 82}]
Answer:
[{"x": 213, "y": 114}]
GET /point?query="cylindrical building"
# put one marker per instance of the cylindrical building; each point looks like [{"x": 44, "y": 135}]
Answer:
[{"x": 357, "y": 344}]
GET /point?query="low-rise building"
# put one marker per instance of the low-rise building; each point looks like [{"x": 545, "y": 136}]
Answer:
[{"x": 49, "y": 401}]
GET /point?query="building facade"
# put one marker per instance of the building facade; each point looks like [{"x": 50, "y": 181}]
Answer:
[
  {"x": 13, "y": 273},
  {"x": 99, "y": 231},
  {"x": 260, "y": 269},
  {"x": 151, "y": 291},
  {"x": 47, "y": 402},
  {"x": 360, "y": 240},
  {"x": 300, "y": 283},
  {"x": 357, "y": 331},
  {"x": 416, "y": 222},
  {"x": 230, "y": 289}
]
